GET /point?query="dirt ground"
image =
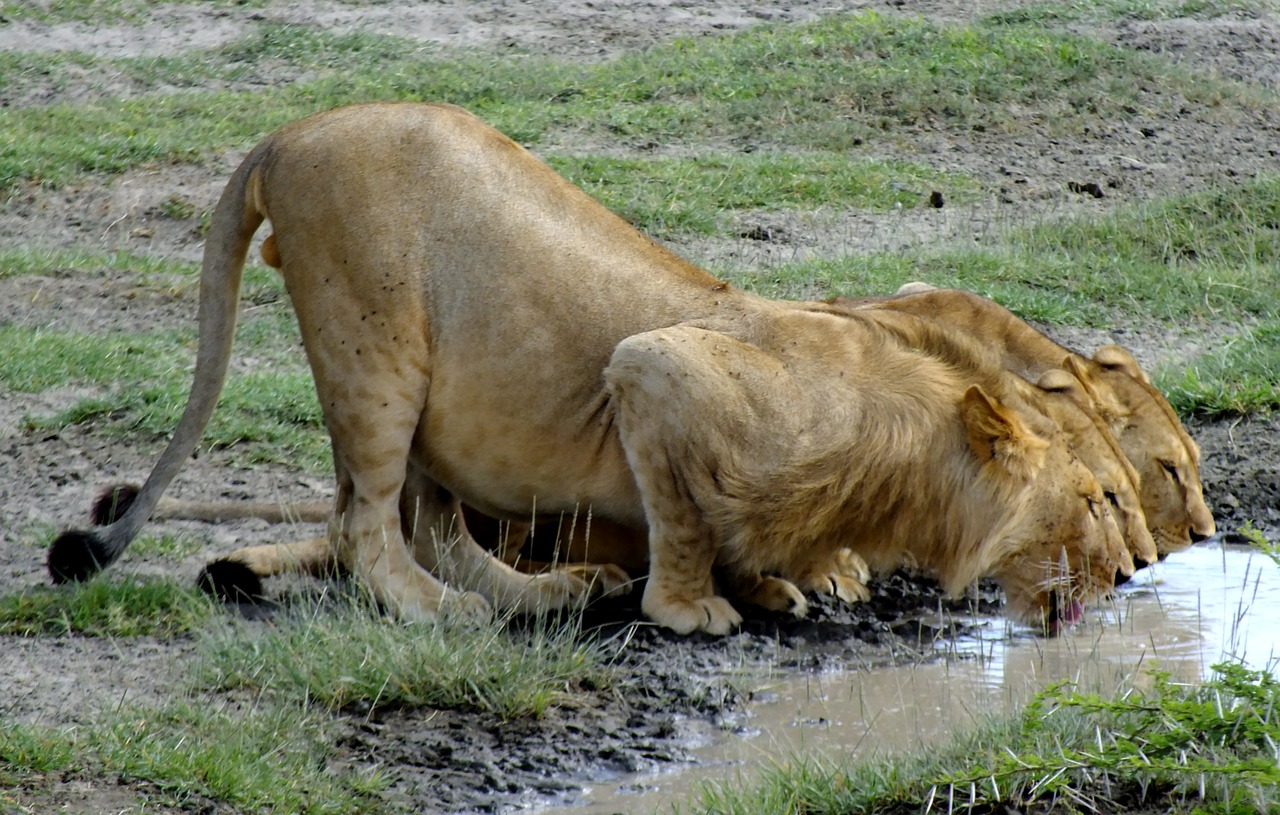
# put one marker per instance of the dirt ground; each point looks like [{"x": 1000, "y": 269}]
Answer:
[{"x": 673, "y": 689}]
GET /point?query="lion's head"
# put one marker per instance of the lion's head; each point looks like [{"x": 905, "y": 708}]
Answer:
[
  {"x": 1062, "y": 545},
  {"x": 1165, "y": 457},
  {"x": 1092, "y": 440}
]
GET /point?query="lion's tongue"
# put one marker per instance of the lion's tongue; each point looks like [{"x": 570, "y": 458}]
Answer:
[{"x": 1073, "y": 613}]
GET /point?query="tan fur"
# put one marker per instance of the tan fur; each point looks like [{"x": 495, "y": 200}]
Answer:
[
  {"x": 922, "y": 450},
  {"x": 1163, "y": 455},
  {"x": 481, "y": 332}
]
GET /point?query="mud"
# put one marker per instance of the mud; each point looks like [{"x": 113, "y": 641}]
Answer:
[{"x": 673, "y": 693}]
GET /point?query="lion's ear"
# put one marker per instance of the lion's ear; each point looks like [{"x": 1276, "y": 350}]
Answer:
[
  {"x": 914, "y": 287},
  {"x": 1100, "y": 398},
  {"x": 998, "y": 435},
  {"x": 1116, "y": 358}
]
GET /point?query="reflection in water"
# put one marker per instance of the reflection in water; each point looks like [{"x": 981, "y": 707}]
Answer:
[{"x": 1199, "y": 607}]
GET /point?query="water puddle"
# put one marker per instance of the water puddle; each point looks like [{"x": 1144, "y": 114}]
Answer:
[{"x": 1183, "y": 616}]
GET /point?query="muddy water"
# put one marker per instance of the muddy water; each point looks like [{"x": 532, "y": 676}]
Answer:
[{"x": 1182, "y": 616}]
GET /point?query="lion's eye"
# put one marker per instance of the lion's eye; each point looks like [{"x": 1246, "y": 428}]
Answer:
[
  {"x": 1171, "y": 469},
  {"x": 1111, "y": 497},
  {"x": 1095, "y": 506}
]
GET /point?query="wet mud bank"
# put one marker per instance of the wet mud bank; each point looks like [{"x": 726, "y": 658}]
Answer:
[
  {"x": 670, "y": 696},
  {"x": 673, "y": 696}
]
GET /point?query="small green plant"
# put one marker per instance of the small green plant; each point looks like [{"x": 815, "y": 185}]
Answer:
[
  {"x": 1259, "y": 540},
  {"x": 168, "y": 546},
  {"x": 27, "y": 750},
  {"x": 1213, "y": 746},
  {"x": 179, "y": 209},
  {"x": 270, "y": 756}
]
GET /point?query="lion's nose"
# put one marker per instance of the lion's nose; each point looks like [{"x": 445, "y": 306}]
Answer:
[
  {"x": 1196, "y": 537},
  {"x": 1121, "y": 577}
]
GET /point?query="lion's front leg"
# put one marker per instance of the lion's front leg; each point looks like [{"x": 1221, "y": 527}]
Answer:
[{"x": 655, "y": 393}]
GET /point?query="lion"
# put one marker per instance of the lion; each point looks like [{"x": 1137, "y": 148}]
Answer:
[
  {"x": 481, "y": 332},
  {"x": 573, "y": 539},
  {"x": 1162, "y": 453}
]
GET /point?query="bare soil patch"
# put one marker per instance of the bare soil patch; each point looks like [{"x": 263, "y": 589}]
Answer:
[{"x": 672, "y": 689}]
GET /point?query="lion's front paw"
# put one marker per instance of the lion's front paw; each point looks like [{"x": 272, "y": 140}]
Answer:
[
  {"x": 776, "y": 594},
  {"x": 845, "y": 575},
  {"x": 849, "y": 563},
  {"x": 714, "y": 615},
  {"x": 849, "y": 589}
]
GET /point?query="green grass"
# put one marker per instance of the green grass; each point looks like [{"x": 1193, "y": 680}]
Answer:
[
  {"x": 106, "y": 607},
  {"x": 102, "y": 11},
  {"x": 268, "y": 757},
  {"x": 145, "y": 380},
  {"x": 264, "y": 757},
  {"x": 27, "y": 750},
  {"x": 345, "y": 655},
  {"x": 1073, "y": 11},
  {"x": 1199, "y": 257},
  {"x": 830, "y": 86},
  {"x": 167, "y": 546},
  {"x": 669, "y": 196},
  {"x": 1239, "y": 378},
  {"x": 163, "y": 275},
  {"x": 1175, "y": 748},
  {"x": 43, "y": 261},
  {"x": 260, "y": 737},
  {"x": 1190, "y": 260}
]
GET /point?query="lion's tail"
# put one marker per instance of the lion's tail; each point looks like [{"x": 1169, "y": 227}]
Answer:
[{"x": 79, "y": 554}]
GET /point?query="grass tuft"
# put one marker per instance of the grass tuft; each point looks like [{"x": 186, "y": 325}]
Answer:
[
  {"x": 271, "y": 757},
  {"x": 105, "y": 607},
  {"x": 267, "y": 757},
  {"x": 345, "y": 655},
  {"x": 1241, "y": 377}
]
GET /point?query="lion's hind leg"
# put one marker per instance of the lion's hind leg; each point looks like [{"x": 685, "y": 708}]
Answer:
[
  {"x": 443, "y": 545},
  {"x": 373, "y": 394},
  {"x": 238, "y": 576}
]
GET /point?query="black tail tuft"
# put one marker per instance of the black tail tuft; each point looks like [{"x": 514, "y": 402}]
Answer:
[
  {"x": 112, "y": 503},
  {"x": 231, "y": 582},
  {"x": 75, "y": 556}
]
